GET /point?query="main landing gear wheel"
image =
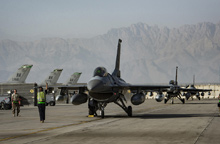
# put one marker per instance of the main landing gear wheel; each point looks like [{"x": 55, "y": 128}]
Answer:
[
  {"x": 129, "y": 111},
  {"x": 183, "y": 101},
  {"x": 102, "y": 113},
  {"x": 2, "y": 106},
  {"x": 165, "y": 101}
]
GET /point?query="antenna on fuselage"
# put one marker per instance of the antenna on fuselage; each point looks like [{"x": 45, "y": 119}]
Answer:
[{"x": 117, "y": 72}]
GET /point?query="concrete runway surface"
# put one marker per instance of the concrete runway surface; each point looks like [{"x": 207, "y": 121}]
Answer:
[{"x": 193, "y": 122}]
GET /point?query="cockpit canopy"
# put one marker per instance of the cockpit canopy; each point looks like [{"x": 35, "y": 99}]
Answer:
[
  {"x": 100, "y": 71},
  {"x": 172, "y": 82}
]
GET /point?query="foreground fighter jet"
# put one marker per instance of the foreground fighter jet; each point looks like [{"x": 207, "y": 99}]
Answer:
[
  {"x": 104, "y": 88},
  {"x": 177, "y": 91}
]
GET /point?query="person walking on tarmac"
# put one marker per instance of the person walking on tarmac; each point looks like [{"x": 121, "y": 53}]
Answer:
[
  {"x": 15, "y": 98},
  {"x": 41, "y": 98}
]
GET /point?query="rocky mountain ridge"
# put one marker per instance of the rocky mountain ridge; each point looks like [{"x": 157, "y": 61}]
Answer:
[{"x": 149, "y": 54}]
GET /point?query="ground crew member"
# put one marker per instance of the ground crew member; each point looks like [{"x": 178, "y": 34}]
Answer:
[
  {"x": 15, "y": 98},
  {"x": 41, "y": 98}
]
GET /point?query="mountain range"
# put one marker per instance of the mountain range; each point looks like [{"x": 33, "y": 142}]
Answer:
[{"x": 149, "y": 54}]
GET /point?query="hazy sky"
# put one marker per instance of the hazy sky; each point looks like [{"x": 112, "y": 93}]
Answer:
[{"x": 87, "y": 18}]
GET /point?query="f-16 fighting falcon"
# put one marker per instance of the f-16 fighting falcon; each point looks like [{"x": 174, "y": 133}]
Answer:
[
  {"x": 104, "y": 88},
  {"x": 177, "y": 91}
]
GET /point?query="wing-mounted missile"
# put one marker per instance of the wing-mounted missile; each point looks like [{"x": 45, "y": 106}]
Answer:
[
  {"x": 202, "y": 94},
  {"x": 59, "y": 98},
  {"x": 78, "y": 99},
  {"x": 188, "y": 95},
  {"x": 138, "y": 99},
  {"x": 159, "y": 97}
]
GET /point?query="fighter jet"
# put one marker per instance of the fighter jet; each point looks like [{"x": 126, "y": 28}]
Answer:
[
  {"x": 21, "y": 74},
  {"x": 64, "y": 94},
  {"x": 104, "y": 88},
  {"x": 52, "y": 78},
  {"x": 178, "y": 91},
  {"x": 193, "y": 91}
]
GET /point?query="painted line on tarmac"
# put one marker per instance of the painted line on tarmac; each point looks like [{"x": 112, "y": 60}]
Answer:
[{"x": 48, "y": 129}]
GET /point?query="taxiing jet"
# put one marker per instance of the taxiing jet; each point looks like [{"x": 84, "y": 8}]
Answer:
[
  {"x": 21, "y": 74},
  {"x": 178, "y": 92},
  {"x": 104, "y": 88},
  {"x": 193, "y": 91}
]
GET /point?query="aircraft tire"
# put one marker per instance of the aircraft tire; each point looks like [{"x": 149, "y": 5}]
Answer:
[
  {"x": 165, "y": 101},
  {"x": 129, "y": 111},
  {"x": 102, "y": 113},
  {"x": 183, "y": 101},
  {"x": 7, "y": 106},
  {"x": 52, "y": 103},
  {"x": 2, "y": 105}
]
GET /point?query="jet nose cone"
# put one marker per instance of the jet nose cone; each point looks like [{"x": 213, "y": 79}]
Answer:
[{"x": 95, "y": 85}]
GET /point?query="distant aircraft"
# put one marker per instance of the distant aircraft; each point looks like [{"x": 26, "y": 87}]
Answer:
[
  {"x": 73, "y": 79},
  {"x": 64, "y": 92},
  {"x": 21, "y": 74},
  {"x": 193, "y": 91},
  {"x": 52, "y": 78},
  {"x": 104, "y": 88},
  {"x": 176, "y": 91}
]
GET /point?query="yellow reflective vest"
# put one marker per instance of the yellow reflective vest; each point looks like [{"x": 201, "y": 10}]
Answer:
[{"x": 41, "y": 98}]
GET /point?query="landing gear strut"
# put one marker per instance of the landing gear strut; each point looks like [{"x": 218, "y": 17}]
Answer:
[
  {"x": 121, "y": 103},
  {"x": 172, "y": 99}
]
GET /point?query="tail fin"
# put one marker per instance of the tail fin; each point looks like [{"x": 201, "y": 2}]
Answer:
[
  {"x": 117, "y": 63},
  {"x": 176, "y": 83},
  {"x": 193, "y": 79},
  {"x": 53, "y": 77},
  {"x": 73, "y": 78},
  {"x": 21, "y": 74}
]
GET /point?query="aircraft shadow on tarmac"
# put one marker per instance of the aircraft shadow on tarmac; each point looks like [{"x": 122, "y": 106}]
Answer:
[{"x": 162, "y": 116}]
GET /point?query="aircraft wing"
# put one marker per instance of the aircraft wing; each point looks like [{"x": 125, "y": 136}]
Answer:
[
  {"x": 146, "y": 88},
  {"x": 70, "y": 87},
  {"x": 194, "y": 90}
]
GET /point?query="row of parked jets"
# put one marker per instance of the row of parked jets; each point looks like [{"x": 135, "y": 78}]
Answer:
[{"x": 104, "y": 88}]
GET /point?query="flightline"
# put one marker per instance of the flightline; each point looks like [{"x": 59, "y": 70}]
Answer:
[{"x": 48, "y": 129}]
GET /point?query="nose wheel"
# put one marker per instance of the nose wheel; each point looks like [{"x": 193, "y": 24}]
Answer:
[{"x": 129, "y": 111}]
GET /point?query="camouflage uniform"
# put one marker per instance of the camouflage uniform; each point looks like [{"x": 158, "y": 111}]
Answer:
[{"x": 15, "y": 103}]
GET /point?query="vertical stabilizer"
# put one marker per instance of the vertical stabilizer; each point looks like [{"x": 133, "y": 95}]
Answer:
[
  {"x": 21, "y": 74},
  {"x": 73, "y": 78},
  {"x": 117, "y": 63},
  {"x": 176, "y": 83},
  {"x": 193, "y": 79},
  {"x": 53, "y": 77}
]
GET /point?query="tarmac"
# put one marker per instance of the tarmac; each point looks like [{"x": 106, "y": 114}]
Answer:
[{"x": 195, "y": 122}]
